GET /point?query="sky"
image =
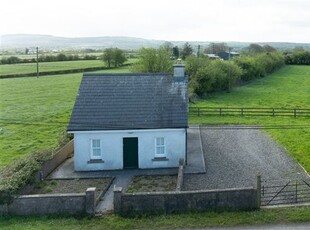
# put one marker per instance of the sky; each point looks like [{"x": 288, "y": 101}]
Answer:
[{"x": 173, "y": 20}]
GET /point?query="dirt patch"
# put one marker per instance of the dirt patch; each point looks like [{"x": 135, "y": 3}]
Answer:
[
  {"x": 72, "y": 186},
  {"x": 152, "y": 184}
]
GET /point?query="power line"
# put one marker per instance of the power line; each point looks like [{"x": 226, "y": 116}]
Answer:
[{"x": 117, "y": 125}]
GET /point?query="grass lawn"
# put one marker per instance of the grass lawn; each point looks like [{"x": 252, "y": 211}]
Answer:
[
  {"x": 48, "y": 66},
  {"x": 289, "y": 87},
  {"x": 175, "y": 221}
]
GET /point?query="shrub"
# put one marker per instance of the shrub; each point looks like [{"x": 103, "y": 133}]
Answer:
[
  {"x": 16, "y": 176},
  {"x": 22, "y": 172},
  {"x": 298, "y": 58},
  {"x": 259, "y": 65},
  {"x": 212, "y": 76}
]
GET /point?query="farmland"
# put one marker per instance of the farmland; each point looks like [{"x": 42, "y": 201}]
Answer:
[
  {"x": 48, "y": 66},
  {"x": 34, "y": 112},
  {"x": 288, "y": 87},
  {"x": 29, "y": 101}
]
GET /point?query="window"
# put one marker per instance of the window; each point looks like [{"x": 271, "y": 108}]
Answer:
[
  {"x": 160, "y": 147},
  {"x": 95, "y": 149}
]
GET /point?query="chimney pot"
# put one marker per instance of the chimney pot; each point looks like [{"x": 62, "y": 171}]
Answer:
[{"x": 179, "y": 72}]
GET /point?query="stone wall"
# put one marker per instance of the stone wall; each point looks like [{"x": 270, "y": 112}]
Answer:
[
  {"x": 45, "y": 204},
  {"x": 170, "y": 202}
]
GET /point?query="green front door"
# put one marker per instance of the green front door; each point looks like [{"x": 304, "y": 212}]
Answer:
[{"x": 130, "y": 151}]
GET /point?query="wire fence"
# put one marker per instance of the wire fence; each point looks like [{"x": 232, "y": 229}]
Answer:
[{"x": 248, "y": 111}]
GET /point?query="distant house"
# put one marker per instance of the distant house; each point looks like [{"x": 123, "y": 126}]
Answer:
[
  {"x": 122, "y": 121},
  {"x": 226, "y": 55},
  {"x": 213, "y": 56}
]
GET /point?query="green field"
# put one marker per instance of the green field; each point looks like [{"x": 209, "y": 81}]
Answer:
[
  {"x": 32, "y": 101},
  {"x": 289, "y": 87},
  {"x": 48, "y": 66},
  {"x": 34, "y": 112}
]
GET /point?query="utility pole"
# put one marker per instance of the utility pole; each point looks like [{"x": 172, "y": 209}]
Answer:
[
  {"x": 229, "y": 74},
  {"x": 198, "y": 52},
  {"x": 37, "y": 61}
]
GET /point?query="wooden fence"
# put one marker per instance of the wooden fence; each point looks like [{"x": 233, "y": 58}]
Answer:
[{"x": 248, "y": 111}]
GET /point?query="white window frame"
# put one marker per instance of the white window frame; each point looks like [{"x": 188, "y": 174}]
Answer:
[
  {"x": 160, "y": 146},
  {"x": 92, "y": 148}
]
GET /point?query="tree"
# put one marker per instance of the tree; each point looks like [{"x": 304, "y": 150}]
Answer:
[
  {"x": 108, "y": 56},
  {"x": 255, "y": 48},
  {"x": 216, "y": 48},
  {"x": 118, "y": 57},
  {"x": 186, "y": 50},
  {"x": 167, "y": 46},
  {"x": 213, "y": 76},
  {"x": 153, "y": 61},
  {"x": 176, "y": 52},
  {"x": 269, "y": 48},
  {"x": 61, "y": 57},
  {"x": 193, "y": 64}
]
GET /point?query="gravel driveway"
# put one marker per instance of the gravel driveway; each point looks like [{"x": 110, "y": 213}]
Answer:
[{"x": 235, "y": 155}]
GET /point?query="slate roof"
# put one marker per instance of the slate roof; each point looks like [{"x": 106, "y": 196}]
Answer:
[{"x": 129, "y": 101}]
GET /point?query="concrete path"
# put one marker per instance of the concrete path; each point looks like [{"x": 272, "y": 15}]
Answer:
[
  {"x": 106, "y": 203},
  {"x": 195, "y": 157}
]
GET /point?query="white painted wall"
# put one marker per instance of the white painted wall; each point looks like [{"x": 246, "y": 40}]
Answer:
[{"x": 112, "y": 148}]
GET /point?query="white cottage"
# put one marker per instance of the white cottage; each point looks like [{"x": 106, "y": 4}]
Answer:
[{"x": 122, "y": 121}]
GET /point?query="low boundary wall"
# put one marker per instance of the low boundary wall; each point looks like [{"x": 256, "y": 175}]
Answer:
[
  {"x": 180, "y": 201},
  {"x": 45, "y": 204}
]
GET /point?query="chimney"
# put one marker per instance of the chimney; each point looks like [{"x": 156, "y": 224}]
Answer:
[{"x": 179, "y": 73}]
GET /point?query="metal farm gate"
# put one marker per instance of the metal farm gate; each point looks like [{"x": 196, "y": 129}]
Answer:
[{"x": 280, "y": 192}]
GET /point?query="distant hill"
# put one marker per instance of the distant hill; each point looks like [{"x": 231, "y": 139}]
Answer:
[
  {"x": 53, "y": 42},
  {"x": 48, "y": 41}
]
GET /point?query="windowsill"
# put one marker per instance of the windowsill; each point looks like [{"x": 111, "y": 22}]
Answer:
[
  {"x": 94, "y": 161},
  {"x": 160, "y": 159}
]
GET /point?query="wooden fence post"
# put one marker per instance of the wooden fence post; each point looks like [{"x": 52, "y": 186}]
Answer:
[
  {"x": 259, "y": 190},
  {"x": 295, "y": 113},
  {"x": 296, "y": 190}
]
